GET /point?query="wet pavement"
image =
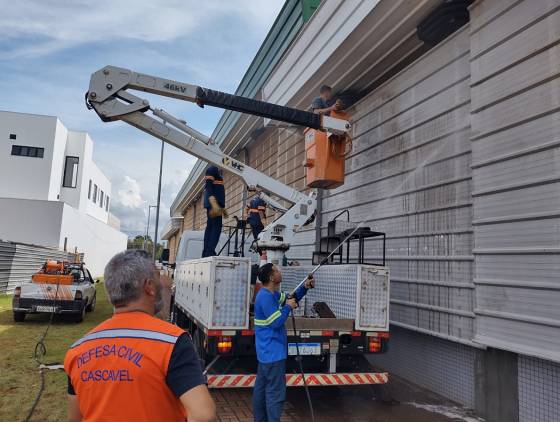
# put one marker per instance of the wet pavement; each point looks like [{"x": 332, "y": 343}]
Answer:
[{"x": 397, "y": 402}]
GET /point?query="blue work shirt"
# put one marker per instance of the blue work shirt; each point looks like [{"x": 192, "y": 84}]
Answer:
[
  {"x": 255, "y": 205},
  {"x": 319, "y": 104},
  {"x": 271, "y": 313},
  {"x": 214, "y": 186}
]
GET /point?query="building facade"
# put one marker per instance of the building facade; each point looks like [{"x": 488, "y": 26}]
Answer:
[
  {"x": 456, "y": 157},
  {"x": 51, "y": 191}
]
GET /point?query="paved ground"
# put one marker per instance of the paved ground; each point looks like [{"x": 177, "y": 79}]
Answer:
[{"x": 348, "y": 404}]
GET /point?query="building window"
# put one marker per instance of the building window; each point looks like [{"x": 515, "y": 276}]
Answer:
[
  {"x": 94, "y": 194},
  {"x": 101, "y": 199},
  {"x": 12, "y": 136},
  {"x": 89, "y": 190},
  {"x": 71, "y": 172},
  {"x": 25, "y": 151},
  {"x": 107, "y": 203}
]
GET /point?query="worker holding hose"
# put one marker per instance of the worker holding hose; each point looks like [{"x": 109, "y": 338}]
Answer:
[{"x": 272, "y": 309}]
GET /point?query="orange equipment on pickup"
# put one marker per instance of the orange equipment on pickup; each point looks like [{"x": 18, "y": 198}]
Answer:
[
  {"x": 325, "y": 155},
  {"x": 53, "y": 272}
]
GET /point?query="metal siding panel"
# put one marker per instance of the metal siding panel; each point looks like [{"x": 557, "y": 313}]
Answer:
[
  {"x": 410, "y": 176},
  {"x": 516, "y": 179},
  {"x": 508, "y": 23},
  {"x": 518, "y": 48},
  {"x": 18, "y": 262}
]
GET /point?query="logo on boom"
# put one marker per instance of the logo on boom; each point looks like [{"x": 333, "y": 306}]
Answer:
[
  {"x": 177, "y": 88},
  {"x": 226, "y": 161}
]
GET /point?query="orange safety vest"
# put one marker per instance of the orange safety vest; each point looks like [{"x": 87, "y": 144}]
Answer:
[{"x": 118, "y": 370}]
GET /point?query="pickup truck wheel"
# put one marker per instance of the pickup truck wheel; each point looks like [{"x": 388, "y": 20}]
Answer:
[
  {"x": 79, "y": 317},
  {"x": 91, "y": 306},
  {"x": 19, "y": 316}
]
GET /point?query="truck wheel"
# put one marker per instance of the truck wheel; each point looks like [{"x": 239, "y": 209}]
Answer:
[
  {"x": 79, "y": 317},
  {"x": 19, "y": 316},
  {"x": 91, "y": 306}
]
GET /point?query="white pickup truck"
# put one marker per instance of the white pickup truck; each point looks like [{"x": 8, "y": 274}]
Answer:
[{"x": 59, "y": 287}]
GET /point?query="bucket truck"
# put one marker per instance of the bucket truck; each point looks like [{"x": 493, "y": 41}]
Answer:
[{"x": 212, "y": 295}]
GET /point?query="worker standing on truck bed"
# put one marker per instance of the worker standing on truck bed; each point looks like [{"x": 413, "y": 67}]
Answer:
[
  {"x": 256, "y": 210},
  {"x": 272, "y": 309},
  {"x": 214, "y": 202},
  {"x": 134, "y": 366}
]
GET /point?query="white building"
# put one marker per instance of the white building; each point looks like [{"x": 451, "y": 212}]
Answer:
[{"x": 51, "y": 191}]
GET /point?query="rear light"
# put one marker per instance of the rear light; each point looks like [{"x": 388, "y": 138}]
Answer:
[
  {"x": 247, "y": 332},
  {"x": 327, "y": 333},
  {"x": 224, "y": 344},
  {"x": 384, "y": 334},
  {"x": 356, "y": 333},
  {"x": 374, "y": 344},
  {"x": 17, "y": 292},
  {"x": 214, "y": 333},
  {"x": 78, "y": 295}
]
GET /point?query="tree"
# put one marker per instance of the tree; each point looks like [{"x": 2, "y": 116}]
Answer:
[{"x": 146, "y": 243}]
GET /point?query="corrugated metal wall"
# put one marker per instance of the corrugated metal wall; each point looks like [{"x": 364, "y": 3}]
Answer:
[
  {"x": 409, "y": 176},
  {"x": 515, "y": 65},
  {"x": 19, "y": 261}
]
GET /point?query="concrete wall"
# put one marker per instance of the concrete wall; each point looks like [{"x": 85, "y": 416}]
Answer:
[
  {"x": 97, "y": 240},
  {"x": 31, "y": 221},
  {"x": 55, "y": 224},
  {"x": 42, "y": 178},
  {"x": 30, "y": 177}
]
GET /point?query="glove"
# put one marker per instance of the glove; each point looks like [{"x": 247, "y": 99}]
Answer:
[{"x": 215, "y": 209}]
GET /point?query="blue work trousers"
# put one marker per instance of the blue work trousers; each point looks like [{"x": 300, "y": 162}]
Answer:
[
  {"x": 269, "y": 393},
  {"x": 211, "y": 235}
]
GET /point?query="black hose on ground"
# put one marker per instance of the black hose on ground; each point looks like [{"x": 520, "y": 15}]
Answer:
[
  {"x": 38, "y": 354},
  {"x": 299, "y": 359}
]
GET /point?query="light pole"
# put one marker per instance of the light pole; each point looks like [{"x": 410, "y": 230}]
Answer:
[
  {"x": 158, "y": 201},
  {"x": 148, "y": 227}
]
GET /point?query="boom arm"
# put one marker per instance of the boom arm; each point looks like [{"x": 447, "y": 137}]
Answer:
[{"x": 109, "y": 97}]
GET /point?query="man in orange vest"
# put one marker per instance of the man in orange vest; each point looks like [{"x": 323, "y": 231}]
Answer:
[{"x": 134, "y": 366}]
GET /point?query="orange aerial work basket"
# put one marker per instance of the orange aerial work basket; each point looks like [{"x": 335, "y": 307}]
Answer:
[{"x": 325, "y": 155}]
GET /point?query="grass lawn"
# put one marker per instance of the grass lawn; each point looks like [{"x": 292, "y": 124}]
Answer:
[{"x": 19, "y": 376}]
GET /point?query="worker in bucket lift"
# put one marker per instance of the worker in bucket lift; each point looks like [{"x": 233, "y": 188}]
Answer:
[
  {"x": 214, "y": 202},
  {"x": 256, "y": 215},
  {"x": 134, "y": 366},
  {"x": 272, "y": 309},
  {"x": 323, "y": 104}
]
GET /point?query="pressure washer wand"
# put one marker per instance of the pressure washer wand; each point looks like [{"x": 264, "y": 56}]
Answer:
[{"x": 324, "y": 261}]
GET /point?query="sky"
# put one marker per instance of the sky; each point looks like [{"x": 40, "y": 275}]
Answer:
[{"x": 49, "y": 49}]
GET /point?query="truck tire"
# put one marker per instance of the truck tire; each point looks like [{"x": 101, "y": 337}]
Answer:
[
  {"x": 91, "y": 306},
  {"x": 19, "y": 316},
  {"x": 79, "y": 317}
]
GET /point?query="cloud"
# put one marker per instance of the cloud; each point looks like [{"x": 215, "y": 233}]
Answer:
[
  {"x": 48, "y": 50},
  {"x": 49, "y": 26},
  {"x": 128, "y": 194}
]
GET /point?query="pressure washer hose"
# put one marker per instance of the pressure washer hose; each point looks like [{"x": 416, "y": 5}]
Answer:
[{"x": 299, "y": 358}]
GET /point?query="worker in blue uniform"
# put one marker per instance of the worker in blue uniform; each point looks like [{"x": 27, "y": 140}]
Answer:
[
  {"x": 272, "y": 309},
  {"x": 214, "y": 202},
  {"x": 256, "y": 215}
]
